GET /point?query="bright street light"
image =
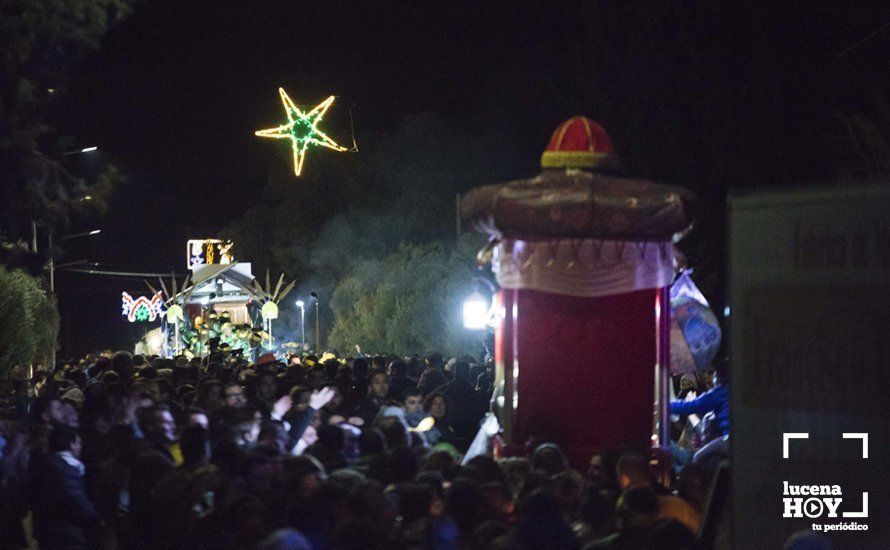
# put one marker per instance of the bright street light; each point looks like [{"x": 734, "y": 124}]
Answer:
[
  {"x": 476, "y": 312},
  {"x": 84, "y": 234},
  {"x": 79, "y": 151},
  {"x": 301, "y": 305}
]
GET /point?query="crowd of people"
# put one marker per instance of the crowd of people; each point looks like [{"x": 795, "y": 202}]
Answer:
[{"x": 124, "y": 451}]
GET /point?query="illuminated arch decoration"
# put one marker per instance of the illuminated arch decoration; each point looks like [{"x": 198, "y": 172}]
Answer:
[
  {"x": 142, "y": 308},
  {"x": 302, "y": 129}
]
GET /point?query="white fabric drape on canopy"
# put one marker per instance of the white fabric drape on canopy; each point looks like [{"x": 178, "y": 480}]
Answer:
[{"x": 586, "y": 268}]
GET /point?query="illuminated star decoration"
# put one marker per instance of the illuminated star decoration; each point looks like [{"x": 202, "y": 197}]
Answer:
[{"x": 302, "y": 129}]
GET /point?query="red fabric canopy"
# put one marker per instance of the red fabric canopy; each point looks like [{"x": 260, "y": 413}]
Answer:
[{"x": 585, "y": 369}]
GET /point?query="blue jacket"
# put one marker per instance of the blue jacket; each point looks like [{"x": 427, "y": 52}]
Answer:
[
  {"x": 64, "y": 516},
  {"x": 716, "y": 400}
]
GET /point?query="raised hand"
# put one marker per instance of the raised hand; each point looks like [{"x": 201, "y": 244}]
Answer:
[
  {"x": 280, "y": 408},
  {"x": 320, "y": 398}
]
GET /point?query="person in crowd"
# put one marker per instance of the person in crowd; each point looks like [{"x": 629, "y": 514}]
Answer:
[
  {"x": 63, "y": 515},
  {"x": 184, "y": 495},
  {"x": 637, "y": 511},
  {"x": 716, "y": 401},
  {"x": 414, "y": 368},
  {"x": 397, "y": 371},
  {"x": 336, "y": 408},
  {"x": 14, "y": 459},
  {"x": 329, "y": 448},
  {"x": 378, "y": 389},
  {"x": 359, "y": 380},
  {"x": 466, "y": 405},
  {"x": 194, "y": 416},
  {"x": 47, "y": 412},
  {"x": 485, "y": 380},
  {"x": 549, "y": 458},
  {"x": 240, "y": 426},
  {"x": 149, "y": 452},
  {"x": 688, "y": 384},
  {"x": 412, "y": 402},
  {"x": 264, "y": 390},
  {"x": 234, "y": 396},
  {"x": 153, "y": 461},
  {"x": 436, "y": 405},
  {"x": 633, "y": 470},
  {"x": 298, "y": 418},
  {"x": 315, "y": 377},
  {"x": 433, "y": 376},
  {"x": 541, "y": 524},
  {"x": 309, "y": 437}
]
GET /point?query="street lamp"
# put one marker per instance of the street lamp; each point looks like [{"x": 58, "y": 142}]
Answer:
[
  {"x": 84, "y": 234},
  {"x": 302, "y": 306},
  {"x": 476, "y": 312},
  {"x": 52, "y": 263},
  {"x": 479, "y": 311},
  {"x": 317, "y": 331},
  {"x": 79, "y": 151}
]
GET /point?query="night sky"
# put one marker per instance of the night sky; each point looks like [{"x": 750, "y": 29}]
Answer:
[{"x": 693, "y": 95}]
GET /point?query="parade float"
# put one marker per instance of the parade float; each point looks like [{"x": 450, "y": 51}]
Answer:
[
  {"x": 584, "y": 261},
  {"x": 219, "y": 306}
]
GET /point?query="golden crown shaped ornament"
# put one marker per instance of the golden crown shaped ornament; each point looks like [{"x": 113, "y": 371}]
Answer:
[
  {"x": 175, "y": 315},
  {"x": 271, "y": 298}
]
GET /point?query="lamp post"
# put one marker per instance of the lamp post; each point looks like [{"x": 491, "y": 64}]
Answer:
[
  {"x": 302, "y": 306},
  {"x": 317, "y": 331},
  {"x": 52, "y": 263}
]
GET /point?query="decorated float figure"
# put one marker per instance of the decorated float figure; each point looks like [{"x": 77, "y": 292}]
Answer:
[{"x": 584, "y": 261}]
